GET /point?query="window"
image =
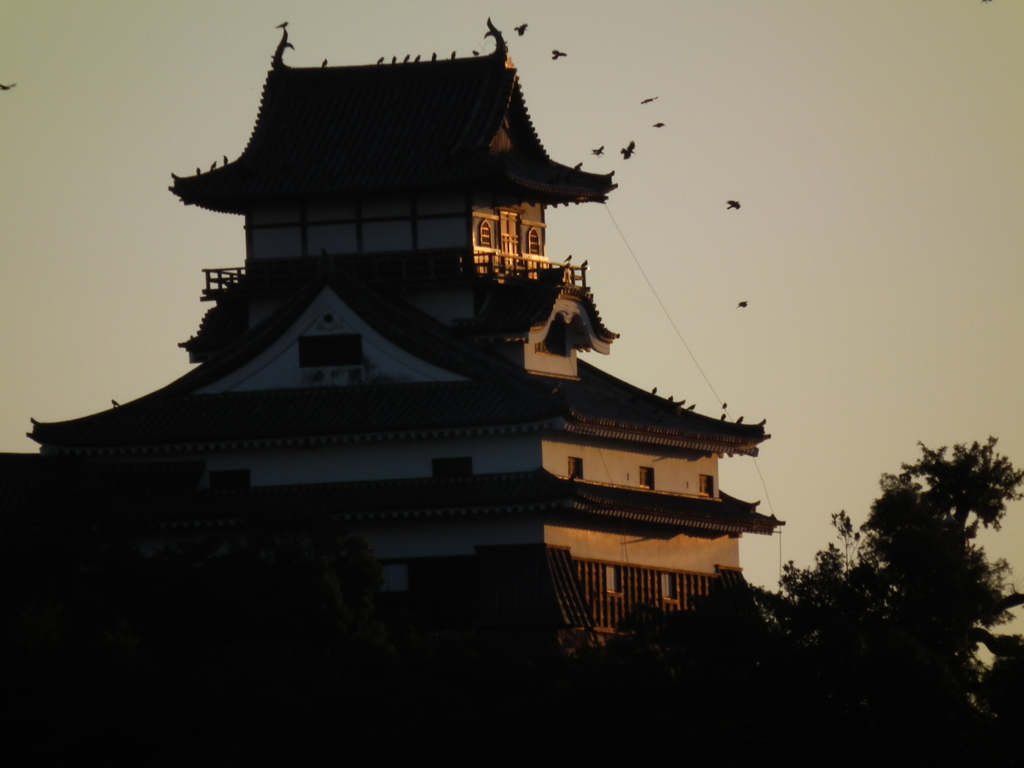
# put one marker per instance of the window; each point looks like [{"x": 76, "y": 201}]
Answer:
[
  {"x": 575, "y": 468},
  {"x": 461, "y": 466},
  {"x": 486, "y": 238},
  {"x": 333, "y": 350},
  {"x": 646, "y": 477},
  {"x": 533, "y": 242},
  {"x": 229, "y": 479},
  {"x": 396, "y": 577},
  {"x": 510, "y": 232},
  {"x": 613, "y": 579},
  {"x": 669, "y": 587},
  {"x": 707, "y": 485}
]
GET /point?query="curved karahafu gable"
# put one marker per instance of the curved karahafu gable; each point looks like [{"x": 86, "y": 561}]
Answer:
[{"x": 339, "y": 130}]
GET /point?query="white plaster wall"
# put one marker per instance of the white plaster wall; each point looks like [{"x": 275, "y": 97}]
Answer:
[
  {"x": 680, "y": 552},
  {"x": 609, "y": 462},
  {"x": 278, "y": 366},
  {"x": 385, "y": 460}
]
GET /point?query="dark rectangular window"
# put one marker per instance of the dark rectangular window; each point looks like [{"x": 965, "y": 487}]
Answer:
[
  {"x": 461, "y": 466},
  {"x": 646, "y": 477},
  {"x": 707, "y": 485},
  {"x": 575, "y": 468},
  {"x": 229, "y": 479},
  {"x": 333, "y": 350}
]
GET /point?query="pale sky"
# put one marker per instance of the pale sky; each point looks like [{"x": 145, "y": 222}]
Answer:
[{"x": 875, "y": 147}]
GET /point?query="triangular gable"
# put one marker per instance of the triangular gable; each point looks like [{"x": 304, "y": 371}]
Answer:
[{"x": 328, "y": 344}]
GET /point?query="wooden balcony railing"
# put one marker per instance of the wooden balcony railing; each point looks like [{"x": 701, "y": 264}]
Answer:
[{"x": 406, "y": 268}]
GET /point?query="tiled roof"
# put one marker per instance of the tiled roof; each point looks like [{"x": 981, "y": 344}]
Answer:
[
  {"x": 515, "y": 308},
  {"x": 496, "y": 393},
  {"x": 222, "y": 325},
  {"x": 506, "y": 493},
  {"x": 342, "y": 130}
]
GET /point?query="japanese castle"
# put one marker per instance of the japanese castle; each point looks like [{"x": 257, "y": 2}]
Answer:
[{"x": 397, "y": 351}]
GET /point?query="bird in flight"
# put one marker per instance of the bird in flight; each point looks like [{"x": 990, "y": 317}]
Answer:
[
  {"x": 521, "y": 29},
  {"x": 555, "y": 54},
  {"x": 733, "y": 204},
  {"x": 627, "y": 152},
  {"x": 648, "y": 101},
  {"x": 7, "y": 87},
  {"x": 741, "y": 304},
  {"x": 659, "y": 125},
  {"x": 599, "y": 151}
]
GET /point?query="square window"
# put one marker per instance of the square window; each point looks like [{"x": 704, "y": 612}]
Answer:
[
  {"x": 613, "y": 579},
  {"x": 646, "y": 477},
  {"x": 707, "y": 485},
  {"x": 575, "y": 468},
  {"x": 334, "y": 350},
  {"x": 461, "y": 466},
  {"x": 396, "y": 577},
  {"x": 229, "y": 479}
]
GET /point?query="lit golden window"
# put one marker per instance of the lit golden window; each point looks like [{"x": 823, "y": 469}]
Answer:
[
  {"x": 486, "y": 240},
  {"x": 533, "y": 242}
]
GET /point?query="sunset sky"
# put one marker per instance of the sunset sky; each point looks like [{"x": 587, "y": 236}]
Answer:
[{"x": 876, "y": 147}]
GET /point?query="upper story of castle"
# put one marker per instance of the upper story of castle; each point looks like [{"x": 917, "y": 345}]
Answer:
[{"x": 407, "y": 172}]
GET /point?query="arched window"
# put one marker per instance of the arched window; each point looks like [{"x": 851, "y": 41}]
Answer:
[
  {"x": 485, "y": 238},
  {"x": 533, "y": 242}
]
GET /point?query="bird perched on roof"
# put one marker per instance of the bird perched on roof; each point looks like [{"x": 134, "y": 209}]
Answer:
[
  {"x": 659, "y": 125},
  {"x": 214, "y": 165},
  {"x": 521, "y": 29},
  {"x": 380, "y": 60},
  {"x": 453, "y": 54},
  {"x": 627, "y": 152},
  {"x": 394, "y": 59},
  {"x": 723, "y": 417},
  {"x": 585, "y": 265},
  {"x": 568, "y": 259},
  {"x": 476, "y": 53},
  {"x": 225, "y": 159},
  {"x": 557, "y": 54},
  {"x": 599, "y": 151},
  {"x": 654, "y": 391},
  {"x": 198, "y": 170},
  {"x": 115, "y": 403},
  {"x": 733, "y": 204},
  {"x": 406, "y": 59},
  {"x": 324, "y": 64},
  {"x": 741, "y": 304},
  {"x": 577, "y": 166},
  {"x": 7, "y": 87},
  {"x": 433, "y": 57},
  {"x": 648, "y": 101},
  {"x": 739, "y": 420},
  {"x": 416, "y": 59}
]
